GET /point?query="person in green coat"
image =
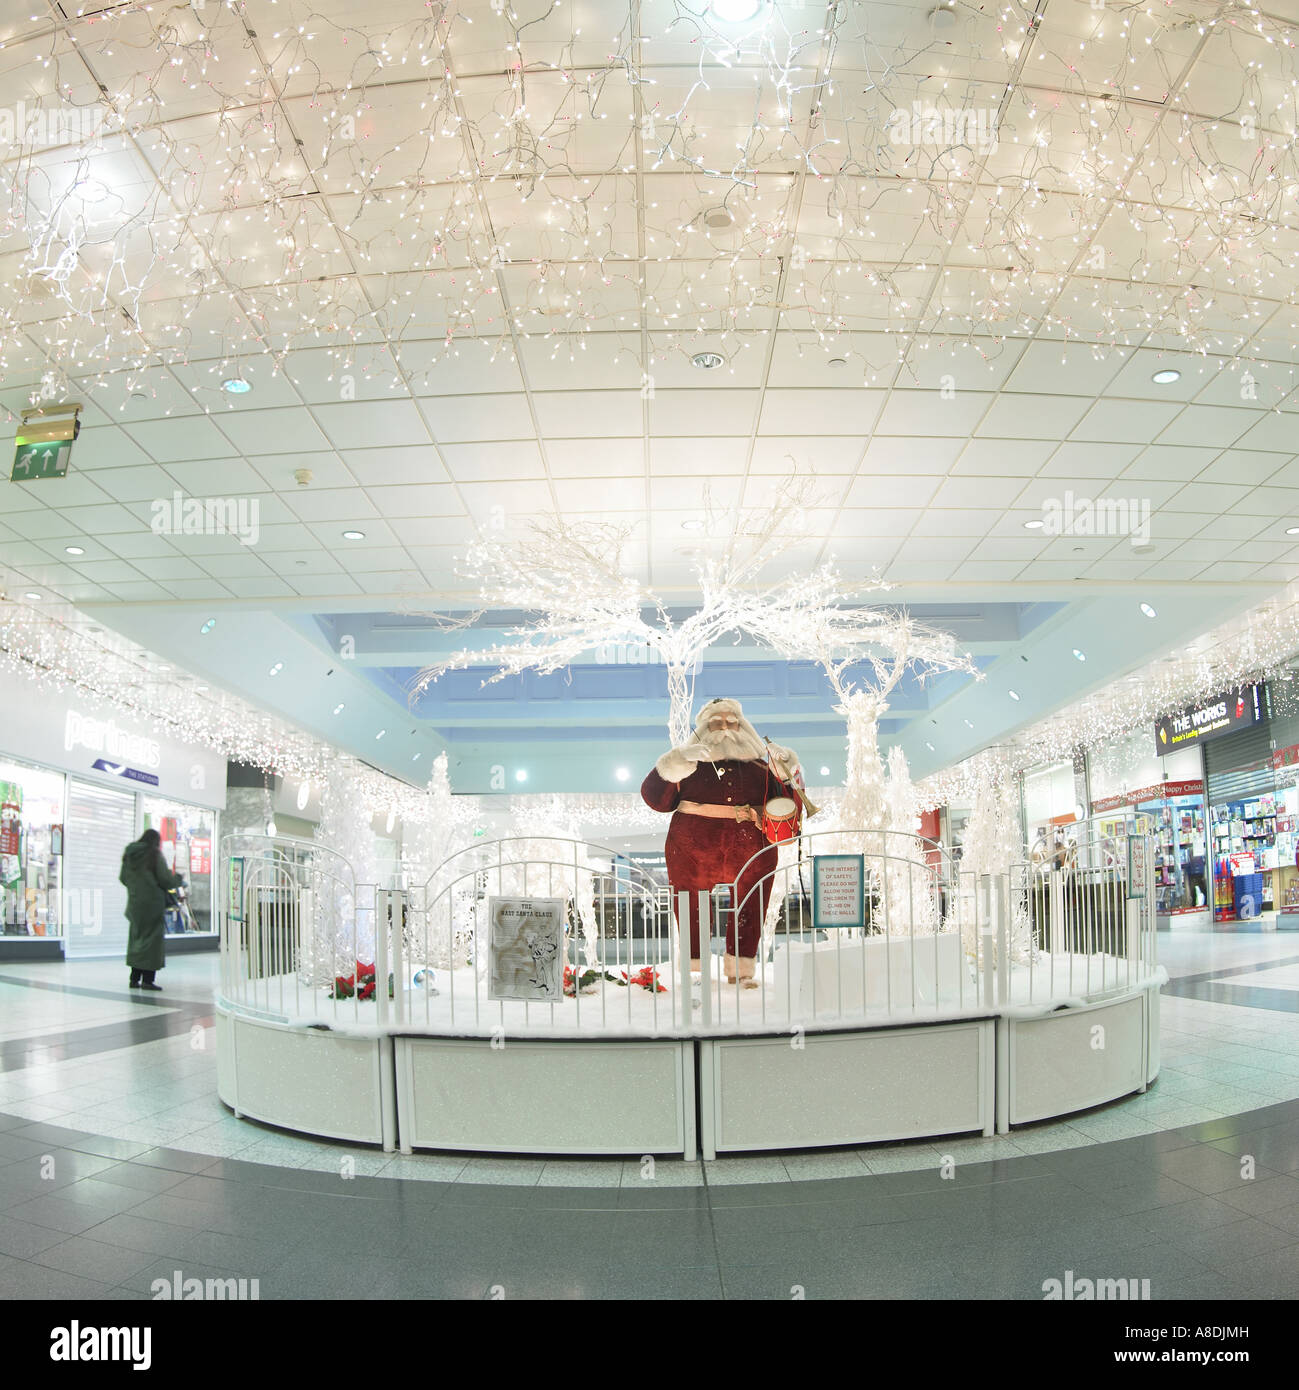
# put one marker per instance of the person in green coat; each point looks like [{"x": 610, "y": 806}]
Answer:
[{"x": 148, "y": 880}]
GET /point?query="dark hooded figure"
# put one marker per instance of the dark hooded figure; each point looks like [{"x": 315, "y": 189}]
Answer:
[{"x": 148, "y": 880}]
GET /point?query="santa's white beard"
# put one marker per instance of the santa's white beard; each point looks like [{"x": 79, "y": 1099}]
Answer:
[{"x": 742, "y": 745}]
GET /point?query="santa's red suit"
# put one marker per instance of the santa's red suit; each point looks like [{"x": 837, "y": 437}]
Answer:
[{"x": 716, "y": 787}]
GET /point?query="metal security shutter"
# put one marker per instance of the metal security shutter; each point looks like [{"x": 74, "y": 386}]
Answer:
[
  {"x": 1239, "y": 766},
  {"x": 101, "y": 823}
]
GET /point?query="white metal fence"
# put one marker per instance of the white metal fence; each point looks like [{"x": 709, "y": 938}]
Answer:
[{"x": 303, "y": 941}]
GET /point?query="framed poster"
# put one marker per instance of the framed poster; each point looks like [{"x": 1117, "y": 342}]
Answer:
[
  {"x": 235, "y": 901},
  {"x": 838, "y": 890},
  {"x": 1136, "y": 866},
  {"x": 526, "y": 949}
]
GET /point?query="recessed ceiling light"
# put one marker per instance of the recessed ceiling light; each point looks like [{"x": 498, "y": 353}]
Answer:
[
  {"x": 417, "y": 757},
  {"x": 942, "y": 17},
  {"x": 1166, "y": 377},
  {"x": 825, "y": 772},
  {"x": 1148, "y": 611},
  {"x": 968, "y": 725},
  {"x": 1014, "y": 694},
  {"x": 692, "y": 525},
  {"x": 621, "y": 774},
  {"x": 736, "y": 11},
  {"x": 338, "y": 709},
  {"x": 207, "y": 627},
  {"x": 236, "y": 386},
  {"x": 837, "y": 362},
  {"x": 1034, "y": 525},
  {"x": 380, "y": 734},
  {"x": 708, "y": 361},
  {"x": 1079, "y": 656},
  {"x": 1292, "y": 530},
  {"x": 74, "y": 550},
  {"x": 34, "y": 596},
  {"x": 718, "y": 219},
  {"x": 353, "y": 535},
  {"x": 521, "y": 775},
  {"x": 276, "y": 669},
  {"x": 929, "y": 745}
]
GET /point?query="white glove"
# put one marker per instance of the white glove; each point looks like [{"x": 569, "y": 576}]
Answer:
[
  {"x": 784, "y": 760},
  {"x": 678, "y": 763}
]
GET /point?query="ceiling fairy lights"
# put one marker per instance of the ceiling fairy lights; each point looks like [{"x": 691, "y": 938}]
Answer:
[{"x": 215, "y": 186}]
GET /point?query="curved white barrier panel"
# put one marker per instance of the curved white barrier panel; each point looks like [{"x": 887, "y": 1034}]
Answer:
[
  {"x": 847, "y": 1088},
  {"x": 526, "y": 1096}
]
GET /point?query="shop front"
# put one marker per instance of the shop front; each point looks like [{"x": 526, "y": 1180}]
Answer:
[
  {"x": 78, "y": 782},
  {"x": 1173, "y": 814}
]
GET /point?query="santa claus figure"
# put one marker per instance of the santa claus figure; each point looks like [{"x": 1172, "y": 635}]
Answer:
[{"x": 716, "y": 787}]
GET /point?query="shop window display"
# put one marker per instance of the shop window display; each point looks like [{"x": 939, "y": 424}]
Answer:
[
  {"x": 188, "y": 837},
  {"x": 31, "y": 851},
  {"x": 1245, "y": 856}
]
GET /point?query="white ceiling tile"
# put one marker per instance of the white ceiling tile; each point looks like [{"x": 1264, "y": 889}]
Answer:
[
  {"x": 1173, "y": 463},
  {"x": 1203, "y": 425},
  {"x": 595, "y": 414},
  {"x": 173, "y": 441},
  {"x": 820, "y": 412},
  {"x": 978, "y": 493},
  {"x": 874, "y": 521},
  {"x": 479, "y": 463},
  {"x": 371, "y": 424},
  {"x": 702, "y": 412},
  {"x": 1020, "y": 416},
  {"x": 1208, "y": 497},
  {"x": 427, "y": 499},
  {"x": 1250, "y": 467},
  {"x": 827, "y": 454},
  {"x": 915, "y": 491},
  {"x": 919, "y": 454},
  {"x": 1090, "y": 460},
  {"x": 601, "y": 458},
  {"x": 462, "y": 418},
  {"x": 1126, "y": 421},
  {"x": 386, "y": 467},
  {"x": 669, "y": 457},
  {"x": 933, "y": 413},
  {"x": 602, "y": 495},
  {"x": 331, "y": 504},
  {"x": 1001, "y": 457},
  {"x": 257, "y": 432}
]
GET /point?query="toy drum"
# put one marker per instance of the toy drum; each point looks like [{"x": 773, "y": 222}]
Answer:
[{"x": 780, "y": 819}]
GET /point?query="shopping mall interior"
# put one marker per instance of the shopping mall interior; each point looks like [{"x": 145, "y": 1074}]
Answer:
[{"x": 743, "y": 557}]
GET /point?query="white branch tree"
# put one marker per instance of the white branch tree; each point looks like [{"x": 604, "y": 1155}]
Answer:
[{"x": 576, "y": 579}]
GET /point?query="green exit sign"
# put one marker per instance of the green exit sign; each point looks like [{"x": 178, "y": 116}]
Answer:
[{"x": 46, "y": 459}]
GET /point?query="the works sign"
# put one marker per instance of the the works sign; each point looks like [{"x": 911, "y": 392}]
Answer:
[{"x": 1220, "y": 714}]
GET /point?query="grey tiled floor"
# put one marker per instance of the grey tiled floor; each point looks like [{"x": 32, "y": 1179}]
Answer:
[{"x": 119, "y": 1167}]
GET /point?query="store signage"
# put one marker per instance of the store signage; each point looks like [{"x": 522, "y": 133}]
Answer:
[
  {"x": 1161, "y": 791},
  {"x": 838, "y": 890},
  {"x": 131, "y": 774},
  {"x": 103, "y": 736},
  {"x": 527, "y": 948},
  {"x": 1220, "y": 714},
  {"x": 1286, "y": 757}
]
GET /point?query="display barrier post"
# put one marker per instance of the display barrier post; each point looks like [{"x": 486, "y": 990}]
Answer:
[
  {"x": 1001, "y": 928},
  {"x": 382, "y": 919},
  {"x": 984, "y": 910},
  {"x": 1056, "y": 931}
]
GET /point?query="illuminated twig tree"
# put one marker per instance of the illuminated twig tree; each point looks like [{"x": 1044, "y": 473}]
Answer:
[{"x": 574, "y": 577}]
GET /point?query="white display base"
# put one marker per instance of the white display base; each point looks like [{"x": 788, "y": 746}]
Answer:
[
  {"x": 846, "y": 1088},
  {"x": 316, "y": 1082},
  {"x": 506, "y": 1092},
  {"x": 634, "y": 1097},
  {"x": 1078, "y": 1057}
]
